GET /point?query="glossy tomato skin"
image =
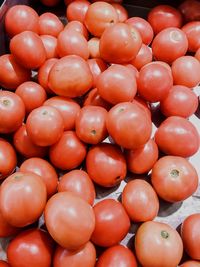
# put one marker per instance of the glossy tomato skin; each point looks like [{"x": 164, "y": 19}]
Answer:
[
  {"x": 32, "y": 248},
  {"x": 109, "y": 159},
  {"x": 45, "y": 170},
  {"x": 116, "y": 52},
  {"x": 79, "y": 183},
  {"x": 51, "y": 46},
  {"x": 154, "y": 238},
  {"x": 97, "y": 66},
  {"x": 4, "y": 264},
  {"x": 190, "y": 235},
  {"x": 93, "y": 46},
  {"x": 50, "y": 24},
  {"x": 81, "y": 258},
  {"x": 117, "y": 256},
  {"x": 70, "y": 220},
  {"x": 190, "y": 10},
  {"x": 170, "y": 174},
  {"x": 12, "y": 112},
  {"x": 121, "y": 11},
  {"x": 111, "y": 223},
  {"x": 76, "y": 10},
  {"x": 11, "y": 73},
  {"x": 6, "y": 229},
  {"x": 190, "y": 264},
  {"x": 77, "y": 69},
  {"x": 192, "y": 31},
  {"x": 23, "y": 46},
  {"x": 23, "y": 194},
  {"x": 69, "y": 152},
  {"x": 143, "y": 57},
  {"x": 129, "y": 116},
  {"x": 93, "y": 99},
  {"x": 173, "y": 134},
  {"x": 77, "y": 26}
]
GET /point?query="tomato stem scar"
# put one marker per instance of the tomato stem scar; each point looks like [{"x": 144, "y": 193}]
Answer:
[{"x": 164, "y": 234}]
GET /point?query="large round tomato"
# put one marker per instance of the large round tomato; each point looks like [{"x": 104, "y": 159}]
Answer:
[
  {"x": 70, "y": 220},
  {"x": 190, "y": 264},
  {"x": 157, "y": 244},
  {"x": 143, "y": 57},
  {"x": 190, "y": 10},
  {"x": 6, "y": 229},
  {"x": 192, "y": 31},
  {"x": 50, "y": 24},
  {"x": 51, "y": 46},
  {"x": 76, "y": 10}
]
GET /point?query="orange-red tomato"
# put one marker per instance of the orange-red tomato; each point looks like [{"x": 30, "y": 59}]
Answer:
[
  {"x": 192, "y": 31},
  {"x": 49, "y": 24},
  {"x": 190, "y": 264},
  {"x": 76, "y": 10},
  {"x": 121, "y": 11},
  {"x": 77, "y": 26},
  {"x": 97, "y": 66},
  {"x": 143, "y": 57},
  {"x": 6, "y": 229},
  {"x": 50, "y": 45},
  {"x": 93, "y": 46},
  {"x": 93, "y": 99}
]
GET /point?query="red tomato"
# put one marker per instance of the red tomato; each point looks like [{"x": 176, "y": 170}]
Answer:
[
  {"x": 25, "y": 146},
  {"x": 81, "y": 258},
  {"x": 49, "y": 24},
  {"x": 45, "y": 170},
  {"x": 143, "y": 27},
  {"x": 143, "y": 57},
  {"x": 164, "y": 16},
  {"x": 12, "y": 112},
  {"x": 93, "y": 99},
  {"x": 6, "y": 229},
  {"x": 79, "y": 183},
  {"x": 190, "y": 10},
  {"x": 169, "y": 176},
  {"x": 99, "y": 17},
  {"x": 78, "y": 27},
  {"x": 23, "y": 47},
  {"x": 70, "y": 220},
  {"x": 78, "y": 81},
  {"x": 50, "y": 3},
  {"x": 154, "y": 238},
  {"x": 192, "y": 31},
  {"x": 173, "y": 134},
  {"x": 116, "y": 52},
  {"x": 69, "y": 152},
  {"x": 93, "y": 46},
  {"x": 97, "y": 66},
  {"x": 91, "y": 124},
  {"x": 142, "y": 159},
  {"x": 76, "y": 10},
  {"x": 50, "y": 45},
  {"x": 117, "y": 256},
  {"x": 23, "y": 194},
  {"x": 129, "y": 125},
  {"x": 4, "y": 264},
  {"x": 181, "y": 101},
  {"x": 106, "y": 158},
  {"x": 111, "y": 223},
  {"x": 121, "y": 11},
  {"x": 45, "y": 125},
  {"x": 164, "y": 64},
  {"x": 68, "y": 109},
  {"x": 186, "y": 71},
  {"x": 31, "y": 248},
  {"x": 71, "y": 42},
  {"x": 32, "y": 94},
  {"x": 140, "y": 201},
  {"x": 133, "y": 70},
  {"x": 170, "y": 44},
  {"x": 190, "y": 235},
  {"x": 197, "y": 55},
  {"x": 190, "y": 264},
  {"x": 116, "y": 84},
  {"x": 12, "y": 74},
  {"x": 21, "y": 18}
]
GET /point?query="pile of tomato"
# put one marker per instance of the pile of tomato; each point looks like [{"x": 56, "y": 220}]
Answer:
[{"x": 76, "y": 115}]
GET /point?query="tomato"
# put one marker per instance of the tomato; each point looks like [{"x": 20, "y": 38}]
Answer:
[
  {"x": 143, "y": 27},
  {"x": 133, "y": 70},
  {"x": 116, "y": 52},
  {"x": 78, "y": 81},
  {"x": 192, "y": 31},
  {"x": 45, "y": 170},
  {"x": 143, "y": 57},
  {"x": 117, "y": 256},
  {"x": 11, "y": 73},
  {"x": 31, "y": 248},
  {"x": 186, "y": 71},
  {"x": 129, "y": 125},
  {"x": 23, "y": 47},
  {"x": 100, "y": 16},
  {"x": 21, "y": 18},
  {"x": 116, "y": 84},
  {"x": 32, "y": 94},
  {"x": 170, "y": 44},
  {"x": 45, "y": 125},
  {"x": 70, "y": 220},
  {"x": 76, "y": 10},
  {"x": 12, "y": 112},
  {"x": 190, "y": 235},
  {"x": 121, "y": 11},
  {"x": 106, "y": 158},
  {"x": 197, "y": 55},
  {"x": 142, "y": 159},
  {"x": 50, "y": 45},
  {"x": 49, "y": 24},
  {"x": 157, "y": 244},
  {"x": 72, "y": 43},
  {"x": 164, "y": 16},
  {"x": 190, "y": 264},
  {"x": 181, "y": 101},
  {"x": 91, "y": 124},
  {"x": 69, "y": 152},
  {"x": 94, "y": 99},
  {"x": 23, "y": 194},
  {"x": 50, "y": 3},
  {"x": 78, "y": 27},
  {"x": 79, "y": 183},
  {"x": 164, "y": 64},
  {"x": 25, "y": 146},
  {"x": 93, "y": 46},
  {"x": 43, "y": 74},
  {"x": 97, "y": 66},
  {"x": 173, "y": 134},
  {"x": 4, "y": 264},
  {"x": 81, "y": 258},
  {"x": 6, "y": 229},
  {"x": 190, "y": 10},
  {"x": 67, "y": 107},
  {"x": 169, "y": 176}
]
